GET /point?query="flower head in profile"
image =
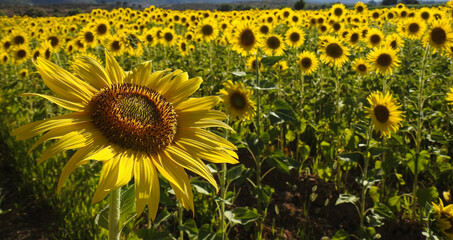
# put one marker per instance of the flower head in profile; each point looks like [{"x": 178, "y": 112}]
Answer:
[
  {"x": 444, "y": 218},
  {"x": 237, "y": 100},
  {"x": 450, "y": 96},
  {"x": 138, "y": 124},
  {"x": 384, "y": 113}
]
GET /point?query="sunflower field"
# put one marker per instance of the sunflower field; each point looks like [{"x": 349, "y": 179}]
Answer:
[{"x": 326, "y": 124}]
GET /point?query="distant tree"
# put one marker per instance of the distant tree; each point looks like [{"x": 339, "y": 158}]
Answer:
[
  {"x": 118, "y": 3},
  {"x": 299, "y": 5},
  {"x": 372, "y": 3},
  {"x": 125, "y": 4},
  {"x": 225, "y": 7},
  {"x": 74, "y": 11},
  {"x": 33, "y": 12},
  {"x": 410, "y": 1},
  {"x": 389, "y": 2}
]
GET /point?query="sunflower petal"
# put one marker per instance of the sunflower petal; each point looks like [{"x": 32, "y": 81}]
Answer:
[
  {"x": 38, "y": 127},
  {"x": 92, "y": 72},
  {"x": 73, "y": 106},
  {"x": 63, "y": 83},
  {"x": 115, "y": 72},
  {"x": 153, "y": 80},
  {"x": 146, "y": 186},
  {"x": 141, "y": 74},
  {"x": 197, "y": 104},
  {"x": 169, "y": 171},
  {"x": 190, "y": 162},
  {"x": 164, "y": 81}
]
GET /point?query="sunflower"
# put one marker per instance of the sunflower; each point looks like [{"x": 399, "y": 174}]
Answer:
[
  {"x": 394, "y": 41},
  {"x": 5, "y": 45},
  {"x": 137, "y": 124},
  {"x": 251, "y": 64},
  {"x": 4, "y": 58},
  {"x": 444, "y": 218},
  {"x": 237, "y": 100},
  {"x": 208, "y": 30},
  {"x": 383, "y": 60},
  {"x": 450, "y": 96},
  {"x": 333, "y": 52},
  {"x": 21, "y": 54},
  {"x": 183, "y": 47},
  {"x": 88, "y": 37},
  {"x": 308, "y": 63},
  {"x": 101, "y": 28},
  {"x": 360, "y": 7},
  {"x": 55, "y": 41},
  {"x": 245, "y": 39},
  {"x": 168, "y": 37},
  {"x": 440, "y": 35},
  {"x": 384, "y": 113},
  {"x": 19, "y": 38},
  {"x": 116, "y": 45},
  {"x": 338, "y": 10},
  {"x": 23, "y": 73},
  {"x": 353, "y": 37},
  {"x": 413, "y": 28},
  {"x": 280, "y": 65},
  {"x": 361, "y": 66},
  {"x": 375, "y": 37},
  {"x": 273, "y": 45},
  {"x": 425, "y": 13}
]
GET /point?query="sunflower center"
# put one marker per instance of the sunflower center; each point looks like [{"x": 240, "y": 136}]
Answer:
[
  {"x": 338, "y": 12},
  {"x": 438, "y": 35},
  {"x": 382, "y": 113},
  {"x": 134, "y": 117},
  {"x": 425, "y": 15},
  {"x": 334, "y": 50},
  {"x": 306, "y": 62},
  {"x": 359, "y": 9},
  {"x": 36, "y": 55},
  {"x": 168, "y": 37},
  {"x": 336, "y": 26},
  {"x": 375, "y": 39},
  {"x": 264, "y": 29},
  {"x": 21, "y": 54},
  {"x": 393, "y": 44},
  {"x": 273, "y": 43},
  {"x": 354, "y": 37},
  {"x": 361, "y": 67},
  {"x": 89, "y": 37},
  {"x": 294, "y": 37},
  {"x": 237, "y": 101},
  {"x": 247, "y": 38},
  {"x": 116, "y": 45},
  {"x": 47, "y": 53},
  {"x": 207, "y": 30},
  {"x": 53, "y": 41},
  {"x": 102, "y": 29},
  {"x": 183, "y": 46},
  {"x": 414, "y": 28},
  {"x": 384, "y": 60},
  {"x": 19, "y": 40},
  {"x": 6, "y": 45}
]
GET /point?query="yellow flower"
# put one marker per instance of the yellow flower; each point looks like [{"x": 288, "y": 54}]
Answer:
[
  {"x": 375, "y": 37},
  {"x": 440, "y": 35},
  {"x": 273, "y": 45},
  {"x": 308, "y": 63},
  {"x": 384, "y": 113},
  {"x": 245, "y": 39},
  {"x": 444, "y": 217},
  {"x": 23, "y": 73},
  {"x": 383, "y": 60},
  {"x": 450, "y": 96},
  {"x": 137, "y": 124},
  {"x": 333, "y": 52},
  {"x": 295, "y": 37},
  {"x": 237, "y": 100},
  {"x": 360, "y": 7},
  {"x": 361, "y": 66}
]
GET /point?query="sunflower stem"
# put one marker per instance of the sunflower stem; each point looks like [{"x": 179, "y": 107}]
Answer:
[
  {"x": 114, "y": 214},
  {"x": 418, "y": 133},
  {"x": 258, "y": 133},
  {"x": 364, "y": 178}
]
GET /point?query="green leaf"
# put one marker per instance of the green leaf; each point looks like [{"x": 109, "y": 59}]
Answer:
[
  {"x": 161, "y": 217},
  {"x": 422, "y": 161},
  {"x": 327, "y": 151},
  {"x": 425, "y": 195},
  {"x": 242, "y": 215},
  {"x": 304, "y": 151},
  {"x": 384, "y": 211},
  {"x": 152, "y": 234},
  {"x": 270, "y": 61},
  {"x": 377, "y": 151},
  {"x": 350, "y": 157},
  {"x": 190, "y": 228},
  {"x": 127, "y": 208},
  {"x": 281, "y": 162},
  {"x": 346, "y": 198},
  {"x": 375, "y": 193},
  {"x": 340, "y": 235},
  {"x": 205, "y": 233},
  {"x": 264, "y": 195},
  {"x": 239, "y": 73},
  {"x": 255, "y": 144},
  {"x": 202, "y": 187},
  {"x": 283, "y": 112}
]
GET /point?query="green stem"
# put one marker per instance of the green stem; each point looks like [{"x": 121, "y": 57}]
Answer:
[
  {"x": 180, "y": 213},
  {"x": 364, "y": 178},
  {"x": 258, "y": 133},
  {"x": 418, "y": 133},
  {"x": 114, "y": 214}
]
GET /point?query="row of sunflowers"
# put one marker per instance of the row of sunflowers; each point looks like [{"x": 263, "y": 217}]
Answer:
[{"x": 353, "y": 97}]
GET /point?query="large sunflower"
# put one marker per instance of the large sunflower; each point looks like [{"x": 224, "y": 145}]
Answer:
[
  {"x": 333, "y": 52},
  {"x": 440, "y": 35},
  {"x": 384, "y": 113},
  {"x": 383, "y": 59},
  {"x": 137, "y": 124},
  {"x": 273, "y": 45},
  {"x": 237, "y": 100},
  {"x": 246, "y": 39}
]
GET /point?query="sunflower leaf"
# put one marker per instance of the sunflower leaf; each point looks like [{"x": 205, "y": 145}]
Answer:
[
  {"x": 269, "y": 61},
  {"x": 242, "y": 215}
]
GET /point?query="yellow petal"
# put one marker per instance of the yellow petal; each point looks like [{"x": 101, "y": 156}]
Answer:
[
  {"x": 153, "y": 80},
  {"x": 163, "y": 82},
  {"x": 191, "y": 163},
  {"x": 38, "y": 127},
  {"x": 142, "y": 74},
  {"x": 63, "y": 83},
  {"x": 92, "y": 72},
  {"x": 169, "y": 171},
  {"x": 115, "y": 72},
  {"x": 73, "y": 106},
  {"x": 197, "y": 104},
  {"x": 147, "y": 189}
]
